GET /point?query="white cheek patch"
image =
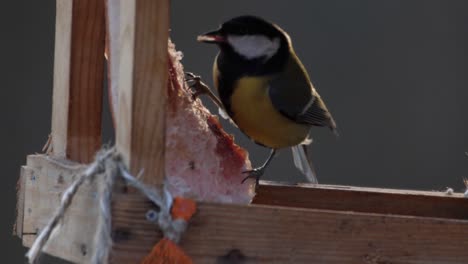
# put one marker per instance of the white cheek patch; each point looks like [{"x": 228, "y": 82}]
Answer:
[{"x": 254, "y": 46}]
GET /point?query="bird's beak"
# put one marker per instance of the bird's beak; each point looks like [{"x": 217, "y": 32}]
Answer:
[{"x": 211, "y": 37}]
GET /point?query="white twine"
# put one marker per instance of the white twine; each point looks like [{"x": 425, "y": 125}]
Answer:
[
  {"x": 109, "y": 165},
  {"x": 103, "y": 237},
  {"x": 172, "y": 228}
]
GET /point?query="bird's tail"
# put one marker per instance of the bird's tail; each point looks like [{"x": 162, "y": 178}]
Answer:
[{"x": 304, "y": 163}]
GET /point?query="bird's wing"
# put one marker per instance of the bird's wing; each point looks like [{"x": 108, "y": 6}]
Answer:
[
  {"x": 317, "y": 114},
  {"x": 293, "y": 95}
]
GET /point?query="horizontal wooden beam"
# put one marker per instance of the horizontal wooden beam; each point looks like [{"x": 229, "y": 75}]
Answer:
[
  {"x": 262, "y": 234},
  {"x": 367, "y": 200},
  {"x": 220, "y": 233}
]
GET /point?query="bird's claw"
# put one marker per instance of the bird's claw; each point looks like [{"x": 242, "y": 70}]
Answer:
[
  {"x": 195, "y": 83},
  {"x": 198, "y": 87},
  {"x": 254, "y": 174},
  {"x": 192, "y": 77}
]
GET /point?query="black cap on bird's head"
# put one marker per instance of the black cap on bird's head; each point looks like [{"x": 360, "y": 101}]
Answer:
[{"x": 249, "y": 36}]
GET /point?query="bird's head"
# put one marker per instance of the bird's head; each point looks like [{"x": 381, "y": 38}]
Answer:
[{"x": 250, "y": 37}]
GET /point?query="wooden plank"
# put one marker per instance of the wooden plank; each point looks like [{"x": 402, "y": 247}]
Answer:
[
  {"x": 221, "y": 233},
  {"x": 78, "y": 79},
  {"x": 261, "y": 234},
  {"x": 112, "y": 54},
  {"x": 141, "y": 114},
  {"x": 47, "y": 179},
  {"x": 124, "y": 84},
  {"x": 61, "y": 93},
  {"x": 358, "y": 199},
  {"x": 141, "y": 120},
  {"x": 86, "y": 80}
]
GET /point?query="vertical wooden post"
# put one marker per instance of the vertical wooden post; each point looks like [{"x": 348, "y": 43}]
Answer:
[
  {"x": 143, "y": 73},
  {"x": 63, "y": 24},
  {"x": 78, "y": 79}
]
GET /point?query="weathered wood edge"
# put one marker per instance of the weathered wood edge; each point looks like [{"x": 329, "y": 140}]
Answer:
[
  {"x": 276, "y": 184},
  {"x": 61, "y": 90},
  {"x": 20, "y": 193},
  {"x": 360, "y": 199}
]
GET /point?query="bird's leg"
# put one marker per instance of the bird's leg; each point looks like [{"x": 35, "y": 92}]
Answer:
[
  {"x": 258, "y": 172},
  {"x": 199, "y": 87}
]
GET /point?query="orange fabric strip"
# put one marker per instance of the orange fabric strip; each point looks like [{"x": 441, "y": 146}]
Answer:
[{"x": 166, "y": 251}]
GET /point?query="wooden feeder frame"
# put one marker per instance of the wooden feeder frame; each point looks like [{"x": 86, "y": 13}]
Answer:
[{"x": 285, "y": 224}]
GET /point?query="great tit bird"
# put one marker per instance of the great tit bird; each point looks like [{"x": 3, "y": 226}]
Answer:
[{"x": 265, "y": 89}]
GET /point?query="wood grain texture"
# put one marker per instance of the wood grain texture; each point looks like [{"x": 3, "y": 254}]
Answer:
[
  {"x": 141, "y": 121},
  {"x": 78, "y": 79},
  {"x": 45, "y": 181},
  {"x": 251, "y": 234},
  {"x": 288, "y": 235},
  {"x": 86, "y": 80},
  {"x": 123, "y": 61},
  {"x": 370, "y": 200},
  {"x": 61, "y": 93}
]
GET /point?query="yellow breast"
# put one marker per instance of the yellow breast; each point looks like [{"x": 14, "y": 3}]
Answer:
[{"x": 255, "y": 115}]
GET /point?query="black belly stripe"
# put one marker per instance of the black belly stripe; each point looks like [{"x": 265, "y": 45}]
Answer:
[{"x": 231, "y": 67}]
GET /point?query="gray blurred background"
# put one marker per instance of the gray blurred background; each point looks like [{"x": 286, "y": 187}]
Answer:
[{"x": 393, "y": 73}]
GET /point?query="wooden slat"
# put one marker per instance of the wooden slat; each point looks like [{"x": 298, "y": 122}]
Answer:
[
  {"x": 86, "y": 80},
  {"x": 140, "y": 133},
  {"x": 61, "y": 95},
  {"x": 45, "y": 181},
  {"x": 260, "y": 234},
  {"x": 358, "y": 199},
  {"x": 143, "y": 28},
  {"x": 78, "y": 79},
  {"x": 252, "y": 234}
]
